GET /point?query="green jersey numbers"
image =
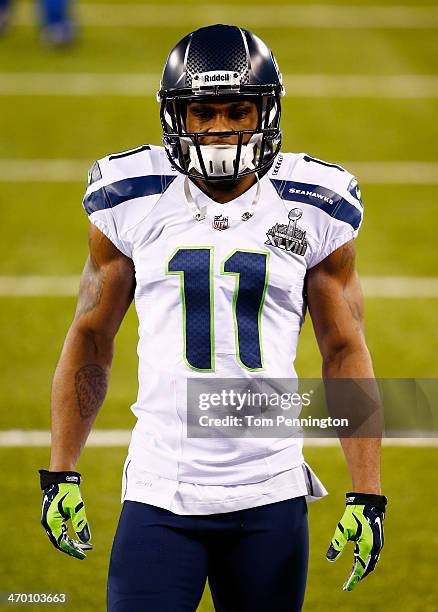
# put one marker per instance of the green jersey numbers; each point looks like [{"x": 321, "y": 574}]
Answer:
[{"x": 194, "y": 265}]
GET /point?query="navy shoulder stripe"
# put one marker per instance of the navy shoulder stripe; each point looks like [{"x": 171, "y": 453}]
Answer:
[
  {"x": 126, "y": 189},
  {"x": 329, "y": 201}
]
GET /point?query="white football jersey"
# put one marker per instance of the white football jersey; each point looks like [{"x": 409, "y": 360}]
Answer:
[{"x": 218, "y": 297}]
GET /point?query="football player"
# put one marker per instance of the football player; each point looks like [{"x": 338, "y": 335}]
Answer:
[{"x": 223, "y": 242}]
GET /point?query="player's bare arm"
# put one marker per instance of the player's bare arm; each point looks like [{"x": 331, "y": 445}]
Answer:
[
  {"x": 336, "y": 306},
  {"x": 81, "y": 377},
  {"x": 79, "y": 387}
]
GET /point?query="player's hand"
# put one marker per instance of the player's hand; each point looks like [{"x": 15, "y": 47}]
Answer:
[
  {"x": 62, "y": 501},
  {"x": 362, "y": 522}
]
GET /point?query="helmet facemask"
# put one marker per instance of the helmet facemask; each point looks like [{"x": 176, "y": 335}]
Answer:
[{"x": 254, "y": 150}]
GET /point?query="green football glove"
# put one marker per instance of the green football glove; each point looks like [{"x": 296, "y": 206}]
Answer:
[
  {"x": 362, "y": 522},
  {"x": 62, "y": 500}
]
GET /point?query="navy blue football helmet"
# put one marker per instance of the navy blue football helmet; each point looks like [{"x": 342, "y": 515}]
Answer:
[{"x": 221, "y": 63}]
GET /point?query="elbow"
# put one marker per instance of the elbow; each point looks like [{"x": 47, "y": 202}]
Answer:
[
  {"x": 347, "y": 359},
  {"x": 97, "y": 345}
]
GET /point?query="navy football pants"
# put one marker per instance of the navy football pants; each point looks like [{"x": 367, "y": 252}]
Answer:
[{"x": 255, "y": 559}]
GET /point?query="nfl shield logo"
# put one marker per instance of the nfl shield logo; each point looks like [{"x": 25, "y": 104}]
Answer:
[{"x": 220, "y": 222}]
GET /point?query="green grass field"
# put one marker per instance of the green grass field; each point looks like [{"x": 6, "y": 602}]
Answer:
[
  {"x": 403, "y": 581},
  {"x": 44, "y": 233}
]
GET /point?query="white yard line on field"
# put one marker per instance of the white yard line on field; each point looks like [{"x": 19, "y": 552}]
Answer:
[
  {"x": 297, "y": 85},
  {"x": 43, "y": 170},
  {"x": 395, "y": 172},
  {"x": 65, "y": 170},
  {"x": 98, "y": 437},
  {"x": 78, "y": 84},
  {"x": 256, "y": 16},
  {"x": 39, "y": 286},
  {"x": 19, "y": 438},
  {"x": 397, "y": 287}
]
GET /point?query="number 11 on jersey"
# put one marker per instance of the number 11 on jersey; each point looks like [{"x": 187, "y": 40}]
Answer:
[{"x": 194, "y": 265}]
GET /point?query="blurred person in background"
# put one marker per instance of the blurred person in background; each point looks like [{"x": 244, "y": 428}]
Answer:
[{"x": 55, "y": 18}]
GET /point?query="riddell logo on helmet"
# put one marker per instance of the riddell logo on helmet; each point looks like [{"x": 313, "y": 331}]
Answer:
[{"x": 218, "y": 77}]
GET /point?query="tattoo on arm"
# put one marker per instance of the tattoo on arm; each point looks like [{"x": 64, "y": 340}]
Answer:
[
  {"x": 90, "y": 293},
  {"x": 347, "y": 265},
  {"x": 91, "y": 383}
]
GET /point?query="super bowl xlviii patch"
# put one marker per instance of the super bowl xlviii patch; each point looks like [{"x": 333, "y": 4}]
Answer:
[{"x": 289, "y": 237}]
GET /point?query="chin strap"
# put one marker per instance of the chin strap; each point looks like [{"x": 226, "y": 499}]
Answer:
[
  {"x": 199, "y": 214},
  {"x": 248, "y": 214}
]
